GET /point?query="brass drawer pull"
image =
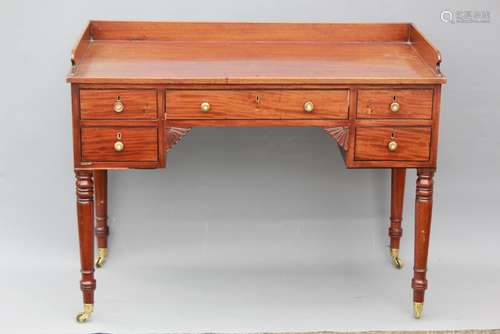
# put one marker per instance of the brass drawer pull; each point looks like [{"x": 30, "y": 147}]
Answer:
[
  {"x": 394, "y": 105},
  {"x": 393, "y": 144},
  {"x": 205, "y": 107},
  {"x": 308, "y": 106},
  {"x": 118, "y": 107},
  {"x": 119, "y": 145}
]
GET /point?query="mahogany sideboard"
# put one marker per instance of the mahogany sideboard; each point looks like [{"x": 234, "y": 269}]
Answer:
[{"x": 138, "y": 87}]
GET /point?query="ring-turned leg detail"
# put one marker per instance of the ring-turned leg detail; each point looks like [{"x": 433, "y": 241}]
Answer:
[
  {"x": 101, "y": 215},
  {"x": 398, "y": 176},
  {"x": 423, "y": 216},
  {"x": 85, "y": 211}
]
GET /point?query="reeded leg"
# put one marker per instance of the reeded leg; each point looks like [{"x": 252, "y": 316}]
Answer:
[
  {"x": 85, "y": 210},
  {"x": 101, "y": 215},
  {"x": 423, "y": 215},
  {"x": 398, "y": 176}
]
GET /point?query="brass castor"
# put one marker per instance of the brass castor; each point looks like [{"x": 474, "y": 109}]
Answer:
[
  {"x": 417, "y": 310},
  {"x": 396, "y": 261},
  {"x": 87, "y": 310},
  {"x": 101, "y": 257}
]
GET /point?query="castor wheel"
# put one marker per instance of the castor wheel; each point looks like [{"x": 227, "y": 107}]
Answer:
[
  {"x": 101, "y": 257},
  {"x": 417, "y": 310},
  {"x": 85, "y": 315},
  {"x": 396, "y": 260}
]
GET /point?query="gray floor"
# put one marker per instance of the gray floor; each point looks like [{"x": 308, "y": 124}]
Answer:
[
  {"x": 269, "y": 233},
  {"x": 265, "y": 231},
  {"x": 328, "y": 276}
]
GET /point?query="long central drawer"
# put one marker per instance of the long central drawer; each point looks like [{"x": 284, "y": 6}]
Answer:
[{"x": 257, "y": 104}]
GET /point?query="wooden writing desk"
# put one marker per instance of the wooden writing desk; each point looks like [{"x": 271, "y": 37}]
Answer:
[{"x": 139, "y": 87}]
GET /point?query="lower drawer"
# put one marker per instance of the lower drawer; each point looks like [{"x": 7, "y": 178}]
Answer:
[
  {"x": 119, "y": 144},
  {"x": 392, "y": 143}
]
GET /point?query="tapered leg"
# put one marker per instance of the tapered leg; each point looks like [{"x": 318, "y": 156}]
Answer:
[
  {"x": 101, "y": 215},
  {"x": 423, "y": 215},
  {"x": 398, "y": 176},
  {"x": 85, "y": 210}
]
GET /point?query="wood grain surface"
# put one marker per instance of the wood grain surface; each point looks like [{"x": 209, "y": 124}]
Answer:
[
  {"x": 257, "y": 104},
  {"x": 137, "y": 104},
  {"x": 245, "y": 53},
  {"x": 140, "y": 144},
  {"x": 413, "y": 143},
  {"x": 414, "y": 103},
  {"x": 249, "y": 31}
]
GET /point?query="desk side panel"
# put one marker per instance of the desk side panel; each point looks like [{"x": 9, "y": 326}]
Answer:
[
  {"x": 425, "y": 49},
  {"x": 81, "y": 47}
]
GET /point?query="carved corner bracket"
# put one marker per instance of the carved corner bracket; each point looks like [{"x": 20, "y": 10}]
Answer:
[
  {"x": 340, "y": 134},
  {"x": 173, "y": 136}
]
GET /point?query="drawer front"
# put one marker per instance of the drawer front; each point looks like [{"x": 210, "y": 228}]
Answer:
[
  {"x": 395, "y": 103},
  {"x": 118, "y": 104},
  {"x": 377, "y": 143},
  {"x": 258, "y": 104},
  {"x": 103, "y": 144}
]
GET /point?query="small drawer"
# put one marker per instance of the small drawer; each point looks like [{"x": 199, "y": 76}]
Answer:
[
  {"x": 258, "y": 104},
  {"x": 119, "y": 144},
  {"x": 392, "y": 143},
  {"x": 395, "y": 103},
  {"x": 118, "y": 104}
]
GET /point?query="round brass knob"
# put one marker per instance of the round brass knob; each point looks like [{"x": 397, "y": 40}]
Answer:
[
  {"x": 308, "y": 106},
  {"x": 394, "y": 106},
  {"x": 118, "y": 107},
  {"x": 392, "y": 146},
  {"x": 119, "y": 146},
  {"x": 205, "y": 107}
]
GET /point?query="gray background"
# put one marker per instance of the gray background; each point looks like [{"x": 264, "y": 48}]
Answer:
[{"x": 249, "y": 229}]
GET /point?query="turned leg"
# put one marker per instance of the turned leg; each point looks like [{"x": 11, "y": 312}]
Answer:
[
  {"x": 85, "y": 210},
  {"x": 423, "y": 215},
  {"x": 398, "y": 176},
  {"x": 101, "y": 215}
]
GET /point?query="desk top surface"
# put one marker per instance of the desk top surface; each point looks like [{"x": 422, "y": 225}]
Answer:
[{"x": 254, "y": 53}]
